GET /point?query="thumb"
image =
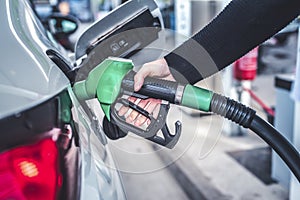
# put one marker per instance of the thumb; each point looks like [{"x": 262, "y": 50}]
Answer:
[
  {"x": 138, "y": 81},
  {"x": 140, "y": 76},
  {"x": 153, "y": 68}
]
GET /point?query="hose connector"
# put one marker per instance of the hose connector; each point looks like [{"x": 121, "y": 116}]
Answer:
[{"x": 232, "y": 110}]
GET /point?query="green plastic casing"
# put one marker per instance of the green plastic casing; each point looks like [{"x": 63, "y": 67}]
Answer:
[
  {"x": 104, "y": 82},
  {"x": 197, "y": 98}
]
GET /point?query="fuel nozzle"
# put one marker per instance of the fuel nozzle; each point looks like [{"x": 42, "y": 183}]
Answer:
[{"x": 111, "y": 81}]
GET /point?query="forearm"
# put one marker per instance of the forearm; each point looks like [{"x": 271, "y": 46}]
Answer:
[{"x": 241, "y": 26}]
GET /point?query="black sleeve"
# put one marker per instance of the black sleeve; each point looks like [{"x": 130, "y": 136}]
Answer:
[{"x": 241, "y": 26}]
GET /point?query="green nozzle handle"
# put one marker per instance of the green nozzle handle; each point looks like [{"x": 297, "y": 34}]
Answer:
[
  {"x": 113, "y": 77},
  {"x": 173, "y": 92}
]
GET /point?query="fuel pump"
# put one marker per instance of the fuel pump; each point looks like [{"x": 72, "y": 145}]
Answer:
[
  {"x": 244, "y": 72},
  {"x": 245, "y": 67}
]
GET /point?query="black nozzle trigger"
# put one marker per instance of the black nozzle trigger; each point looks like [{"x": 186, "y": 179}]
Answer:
[
  {"x": 151, "y": 132},
  {"x": 169, "y": 140}
]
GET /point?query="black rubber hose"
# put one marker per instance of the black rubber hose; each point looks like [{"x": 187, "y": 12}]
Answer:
[
  {"x": 232, "y": 110},
  {"x": 279, "y": 143},
  {"x": 246, "y": 117}
]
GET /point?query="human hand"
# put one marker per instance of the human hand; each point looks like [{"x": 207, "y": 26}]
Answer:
[
  {"x": 152, "y": 106},
  {"x": 158, "y": 68}
]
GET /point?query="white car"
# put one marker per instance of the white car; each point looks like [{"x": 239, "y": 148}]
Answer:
[{"x": 51, "y": 146}]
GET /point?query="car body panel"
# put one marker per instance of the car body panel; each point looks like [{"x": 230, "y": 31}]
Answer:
[
  {"x": 27, "y": 76},
  {"x": 98, "y": 167}
]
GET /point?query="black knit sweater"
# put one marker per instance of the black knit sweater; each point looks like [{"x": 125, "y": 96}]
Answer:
[{"x": 241, "y": 26}]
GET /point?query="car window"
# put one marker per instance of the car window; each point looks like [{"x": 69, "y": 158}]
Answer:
[{"x": 78, "y": 8}]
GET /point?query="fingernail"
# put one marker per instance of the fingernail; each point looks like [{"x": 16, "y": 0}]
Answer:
[
  {"x": 120, "y": 113},
  {"x": 137, "y": 123},
  {"x": 129, "y": 120},
  {"x": 137, "y": 86}
]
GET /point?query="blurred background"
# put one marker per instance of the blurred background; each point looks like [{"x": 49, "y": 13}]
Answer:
[{"x": 215, "y": 159}]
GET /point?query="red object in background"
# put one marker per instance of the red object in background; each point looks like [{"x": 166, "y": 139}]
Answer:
[
  {"x": 245, "y": 68},
  {"x": 261, "y": 103},
  {"x": 31, "y": 172}
]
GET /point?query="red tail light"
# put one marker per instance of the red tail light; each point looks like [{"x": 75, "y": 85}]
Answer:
[{"x": 31, "y": 172}]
